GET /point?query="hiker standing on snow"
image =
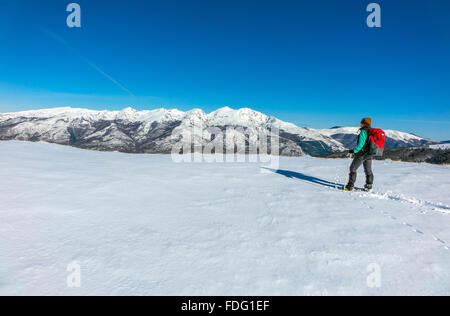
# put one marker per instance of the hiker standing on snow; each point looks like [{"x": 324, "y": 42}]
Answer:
[{"x": 362, "y": 157}]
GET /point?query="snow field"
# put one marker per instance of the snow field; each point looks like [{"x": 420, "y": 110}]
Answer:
[{"x": 141, "y": 224}]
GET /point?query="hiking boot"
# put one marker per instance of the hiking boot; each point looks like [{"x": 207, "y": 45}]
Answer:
[
  {"x": 349, "y": 187},
  {"x": 351, "y": 182},
  {"x": 369, "y": 182}
]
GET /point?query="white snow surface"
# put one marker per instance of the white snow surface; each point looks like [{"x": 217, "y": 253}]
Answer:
[
  {"x": 144, "y": 225},
  {"x": 440, "y": 146}
]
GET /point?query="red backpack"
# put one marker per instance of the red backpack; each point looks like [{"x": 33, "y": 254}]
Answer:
[{"x": 377, "y": 142}]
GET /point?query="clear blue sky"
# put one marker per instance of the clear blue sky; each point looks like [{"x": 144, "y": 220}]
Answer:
[{"x": 314, "y": 63}]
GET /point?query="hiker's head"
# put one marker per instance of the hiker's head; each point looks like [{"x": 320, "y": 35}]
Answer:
[{"x": 366, "y": 122}]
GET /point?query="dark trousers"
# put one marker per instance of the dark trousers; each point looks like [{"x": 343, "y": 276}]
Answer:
[{"x": 357, "y": 162}]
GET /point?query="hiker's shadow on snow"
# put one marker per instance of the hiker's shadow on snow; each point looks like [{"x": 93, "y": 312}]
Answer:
[{"x": 304, "y": 177}]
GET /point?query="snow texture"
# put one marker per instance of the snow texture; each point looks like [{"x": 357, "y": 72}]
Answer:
[
  {"x": 144, "y": 225},
  {"x": 440, "y": 146}
]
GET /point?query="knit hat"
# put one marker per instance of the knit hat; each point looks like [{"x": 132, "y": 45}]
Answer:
[{"x": 366, "y": 121}]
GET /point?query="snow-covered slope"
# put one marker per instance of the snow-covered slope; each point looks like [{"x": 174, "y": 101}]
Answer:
[
  {"x": 441, "y": 146},
  {"x": 151, "y": 131},
  {"x": 142, "y": 224},
  {"x": 348, "y": 137}
]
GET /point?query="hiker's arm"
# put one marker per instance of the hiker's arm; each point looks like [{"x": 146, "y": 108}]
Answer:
[{"x": 362, "y": 141}]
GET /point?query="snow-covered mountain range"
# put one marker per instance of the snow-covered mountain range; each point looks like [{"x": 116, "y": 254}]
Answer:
[
  {"x": 347, "y": 136},
  {"x": 152, "y": 131}
]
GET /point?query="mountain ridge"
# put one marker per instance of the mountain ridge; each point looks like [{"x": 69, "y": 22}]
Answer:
[{"x": 152, "y": 131}]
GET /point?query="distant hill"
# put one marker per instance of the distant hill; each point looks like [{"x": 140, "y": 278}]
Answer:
[
  {"x": 348, "y": 136},
  {"x": 418, "y": 154}
]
